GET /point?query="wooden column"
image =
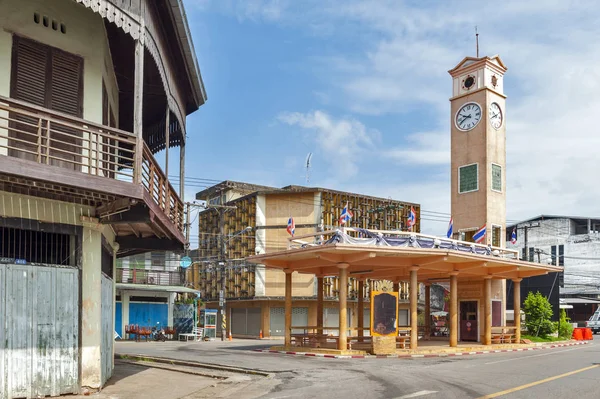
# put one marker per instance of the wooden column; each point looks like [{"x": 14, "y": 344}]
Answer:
[
  {"x": 517, "y": 308},
  {"x": 487, "y": 337},
  {"x": 288, "y": 308},
  {"x": 414, "y": 285},
  {"x": 138, "y": 99},
  {"x": 361, "y": 307},
  {"x": 343, "y": 293},
  {"x": 182, "y": 167},
  {"x": 320, "y": 303},
  {"x": 167, "y": 141},
  {"x": 427, "y": 309},
  {"x": 453, "y": 309}
]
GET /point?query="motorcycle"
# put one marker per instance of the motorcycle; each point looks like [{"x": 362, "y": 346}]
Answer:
[{"x": 158, "y": 334}]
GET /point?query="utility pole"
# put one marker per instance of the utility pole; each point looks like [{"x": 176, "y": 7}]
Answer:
[
  {"x": 221, "y": 209},
  {"x": 526, "y": 229},
  {"x": 188, "y": 227}
]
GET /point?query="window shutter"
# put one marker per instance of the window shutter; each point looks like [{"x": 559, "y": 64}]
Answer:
[
  {"x": 29, "y": 71},
  {"x": 66, "y": 91}
]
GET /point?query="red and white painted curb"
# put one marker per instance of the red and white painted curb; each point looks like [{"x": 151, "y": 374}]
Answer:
[{"x": 426, "y": 355}]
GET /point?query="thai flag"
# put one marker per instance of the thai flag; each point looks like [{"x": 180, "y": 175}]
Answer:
[
  {"x": 412, "y": 217},
  {"x": 480, "y": 235},
  {"x": 291, "y": 227},
  {"x": 450, "y": 228},
  {"x": 346, "y": 215},
  {"x": 513, "y": 236}
]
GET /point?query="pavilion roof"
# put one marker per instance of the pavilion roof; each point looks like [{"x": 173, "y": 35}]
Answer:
[{"x": 393, "y": 256}]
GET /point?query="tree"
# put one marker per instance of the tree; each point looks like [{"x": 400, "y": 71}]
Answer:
[
  {"x": 565, "y": 329},
  {"x": 538, "y": 313}
]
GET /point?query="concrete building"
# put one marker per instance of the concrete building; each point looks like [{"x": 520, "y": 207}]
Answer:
[
  {"x": 255, "y": 294},
  {"x": 90, "y": 91},
  {"x": 147, "y": 287},
  {"x": 569, "y": 241}
]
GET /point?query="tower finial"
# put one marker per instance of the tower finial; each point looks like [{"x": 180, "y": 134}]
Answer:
[{"x": 477, "y": 40}]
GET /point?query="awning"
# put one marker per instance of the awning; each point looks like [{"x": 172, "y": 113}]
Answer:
[{"x": 156, "y": 288}]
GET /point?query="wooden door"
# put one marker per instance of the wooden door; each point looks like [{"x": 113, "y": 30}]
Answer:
[{"x": 468, "y": 321}]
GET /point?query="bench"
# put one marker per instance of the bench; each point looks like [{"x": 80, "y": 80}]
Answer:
[
  {"x": 196, "y": 334},
  {"x": 503, "y": 335}
]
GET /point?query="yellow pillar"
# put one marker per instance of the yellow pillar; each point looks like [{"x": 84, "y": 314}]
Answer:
[
  {"x": 487, "y": 337},
  {"x": 453, "y": 309},
  {"x": 288, "y": 308},
  {"x": 517, "y": 308},
  {"x": 343, "y": 292},
  {"x": 361, "y": 307},
  {"x": 320, "y": 303},
  {"x": 414, "y": 284},
  {"x": 427, "y": 309}
]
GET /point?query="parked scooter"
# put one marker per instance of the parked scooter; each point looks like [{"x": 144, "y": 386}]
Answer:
[{"x": 158, "y": 334}]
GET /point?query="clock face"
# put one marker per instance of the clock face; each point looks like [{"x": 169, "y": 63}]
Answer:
[
  {"x": 495, "y": 115},
  {"x": 468, "y": 116}
]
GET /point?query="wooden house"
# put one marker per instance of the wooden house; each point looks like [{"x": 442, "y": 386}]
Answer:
[{"x": 90, "y": 91}]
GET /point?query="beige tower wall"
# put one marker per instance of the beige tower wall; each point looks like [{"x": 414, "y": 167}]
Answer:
[{"x": 484, "y": 146}]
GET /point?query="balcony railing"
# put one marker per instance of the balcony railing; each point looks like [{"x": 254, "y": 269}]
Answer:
[
  {"x": 53, "y": 138},
  {"x": 149, "y": 277}
]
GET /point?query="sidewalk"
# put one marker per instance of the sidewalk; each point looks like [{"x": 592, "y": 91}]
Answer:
[{"x": 132, "y": 381}]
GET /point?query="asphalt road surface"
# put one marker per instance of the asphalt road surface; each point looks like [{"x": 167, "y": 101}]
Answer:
[{"x": 570, "y": 372}]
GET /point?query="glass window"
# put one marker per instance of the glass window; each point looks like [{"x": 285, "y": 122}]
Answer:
[
  {"x": 496, "y": 231},
  {"x": 467, "y": 178},
  {"x": 496, "y": 177}
]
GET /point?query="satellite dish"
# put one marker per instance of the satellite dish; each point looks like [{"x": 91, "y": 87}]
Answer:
[
  {"x": 185, "y": 262},
  {"x": 307, "y": 164}
]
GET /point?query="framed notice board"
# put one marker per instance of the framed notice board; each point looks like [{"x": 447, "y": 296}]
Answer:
[{"x": 384, "y": 313}]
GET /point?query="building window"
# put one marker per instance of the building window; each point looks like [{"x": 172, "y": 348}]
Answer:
[
  {"x": 553, "y": 254},
  {"x": 561, "y": 255},
  {"x": 468, "y": 178},
  {"x": 496, "y": 177},
  {"x": 496, "y": 231},
  {"x": 158, "y": 260},
  {"x": 531, "y": 254}
]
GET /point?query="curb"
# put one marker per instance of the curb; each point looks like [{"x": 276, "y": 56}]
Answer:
[
  {"x": 145, "y": 358},
  {"x": 418, "y": 356}
]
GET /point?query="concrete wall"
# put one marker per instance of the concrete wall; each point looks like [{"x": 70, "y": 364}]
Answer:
[
  {"x": 474, "y": 291},
  {"x": 561, "y": 231}
]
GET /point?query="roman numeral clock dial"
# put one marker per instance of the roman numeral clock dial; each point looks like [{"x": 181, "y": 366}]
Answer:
[{"x": 468, "y": 116}]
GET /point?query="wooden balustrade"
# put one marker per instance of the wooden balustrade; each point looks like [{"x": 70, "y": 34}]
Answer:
[
  {"x": 159, "y": 187},
  {"x": 53, "y": 138}
]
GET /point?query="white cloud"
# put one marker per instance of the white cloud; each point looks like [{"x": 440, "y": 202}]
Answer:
[{"x": 342, "y": 141}]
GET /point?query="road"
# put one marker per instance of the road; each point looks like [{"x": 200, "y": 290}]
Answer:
[{"x": 570, "y": 372}]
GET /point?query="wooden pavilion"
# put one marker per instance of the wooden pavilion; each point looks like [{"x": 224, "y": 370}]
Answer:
[{"x": 475, "y": 272}]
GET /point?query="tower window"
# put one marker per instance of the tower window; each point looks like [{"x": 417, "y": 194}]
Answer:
[
  {"x": 468, "y": 178},
  {"x": 496, "y": 234},
  {"x": 496, "y": 177}
]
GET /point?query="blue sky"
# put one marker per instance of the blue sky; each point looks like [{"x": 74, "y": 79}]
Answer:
[{"x": 363, "y": 85}]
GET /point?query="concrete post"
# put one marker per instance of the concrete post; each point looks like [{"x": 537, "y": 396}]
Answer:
[
  {"x": 487, "y": 336},
  {"x": 427, "y": 309},
  {"x": 320, "y": 281},
  {"x": 517, "y": 308},
  {"x": 288, "y": 308},
  {"x": 361, "y": 307},
  {"x": 453, "y": 309},
  {"x": 343, "y": 293},
  {"x": 414, "y": 285}
]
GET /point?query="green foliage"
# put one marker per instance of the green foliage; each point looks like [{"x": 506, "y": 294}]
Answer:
[
  {"x": 565, "y": 328},
  {"x": 533, "y": 338},
  {"x": 538, "y": 312}
]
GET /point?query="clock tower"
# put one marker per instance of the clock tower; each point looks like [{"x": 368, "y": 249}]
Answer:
[{"x": 478, "y": 150}]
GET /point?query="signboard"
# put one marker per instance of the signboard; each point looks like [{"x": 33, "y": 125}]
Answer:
[
  {"x": 221, "y": 298},
  {"x": 384, "y": 313},
  {"x": 185, "y": 262}
]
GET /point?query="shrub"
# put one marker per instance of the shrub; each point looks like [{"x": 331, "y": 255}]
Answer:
[
  {"x": 565, "y": 329},
  {"x": 538, "y": 312}
]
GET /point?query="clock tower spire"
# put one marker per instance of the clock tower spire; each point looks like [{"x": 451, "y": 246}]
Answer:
[{"x": 478, "y": 150}]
